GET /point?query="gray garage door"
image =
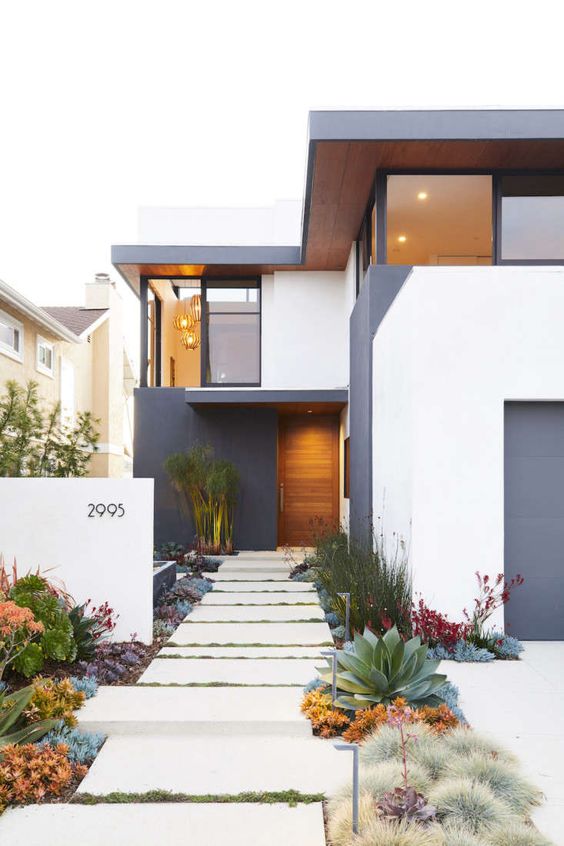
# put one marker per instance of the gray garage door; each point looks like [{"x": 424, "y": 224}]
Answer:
[{"x": 534, "y": 518}]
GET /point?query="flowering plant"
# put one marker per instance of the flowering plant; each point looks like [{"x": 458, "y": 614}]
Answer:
[
  {"x": 18, "y": 627},
  {"x": 434, "y": 628},
  {"x": 493, "y": 593}
]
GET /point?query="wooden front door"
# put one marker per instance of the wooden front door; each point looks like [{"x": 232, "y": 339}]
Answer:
[{"x": 308, "y": 477}]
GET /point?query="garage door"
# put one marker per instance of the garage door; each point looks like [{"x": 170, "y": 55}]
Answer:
[{"x": 534, "y": 518}]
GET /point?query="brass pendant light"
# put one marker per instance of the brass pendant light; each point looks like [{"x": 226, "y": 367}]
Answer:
[
  {"x": 196, "y": 308},
  {"x": 190, "y": 339},
  {"x": 183, "y": 322}
]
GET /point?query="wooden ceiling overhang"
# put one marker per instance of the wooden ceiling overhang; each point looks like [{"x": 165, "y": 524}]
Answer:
[{"x": 345, "y": 150}]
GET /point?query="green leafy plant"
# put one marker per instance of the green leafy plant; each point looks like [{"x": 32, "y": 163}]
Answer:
[
  {"x": 382, "y": 669},
  {"x": 377, "y": 579},
  {"x": 57, "y": 640},
  {"x": 34, "y": 441},
  {"x": 210, "y": 487},
  {"x": 13, "y": 727},
  {"x": 18, "y": 627}
]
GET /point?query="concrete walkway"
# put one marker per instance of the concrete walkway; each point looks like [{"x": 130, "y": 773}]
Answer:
[
  {"x": 216, "y": 712},
  {"x": 521, "y": 705}
]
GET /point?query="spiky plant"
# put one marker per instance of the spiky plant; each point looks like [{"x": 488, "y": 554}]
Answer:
[
  {"x": 468, "y": 803},
  {"x": 13, "y": 728},
  {"x": 385, "y": 745},
  {"x": 502, "y": 779},
  {"x": 381, "y": 778},
  {"x": 462, "y": 742},
  {"x": 389, "y": 833},
  {"x": 517, "y": 833},
  {"x": 339, "y": 823},
  {"x": 405, "y": 803},
  {"x": 457, "y": 835},
  {"x": 382, "y": 669}
]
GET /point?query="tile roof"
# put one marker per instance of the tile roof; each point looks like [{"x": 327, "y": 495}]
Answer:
[{"x": 75, "y": 318}]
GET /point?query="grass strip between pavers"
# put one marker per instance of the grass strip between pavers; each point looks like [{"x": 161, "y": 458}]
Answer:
[
  {"x": 211, "y": 684},
  {"x": 291, "y": 797}
]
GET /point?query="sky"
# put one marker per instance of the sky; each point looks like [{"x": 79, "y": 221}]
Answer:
[{"x": 109, "y": 106}]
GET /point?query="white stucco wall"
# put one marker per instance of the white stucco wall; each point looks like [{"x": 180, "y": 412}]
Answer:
[
  {"x": 455, "y": 344},
  {"x": 305, "y": 318},
  {"x": 44, "y": 523}
]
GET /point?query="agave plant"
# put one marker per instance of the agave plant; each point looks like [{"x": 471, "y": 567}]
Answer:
[
  {"x": 383, "y": 668},
  {"x": 11, "y": 709},
  {"x": 405, "y": 803}
]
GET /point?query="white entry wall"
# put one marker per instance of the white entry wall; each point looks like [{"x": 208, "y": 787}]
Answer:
[
  {"x": 94, "y": 535},
  {"x": 454, "y": 346}
]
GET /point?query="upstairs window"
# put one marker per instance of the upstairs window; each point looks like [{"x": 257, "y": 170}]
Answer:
[
  {"x": 232, "y": 337},
  {"x": 441, "y": 219},
  {"x": 11, "y": 336},
  {"x": 45, "y": 357},
  {"x": 532, "y": 217}
]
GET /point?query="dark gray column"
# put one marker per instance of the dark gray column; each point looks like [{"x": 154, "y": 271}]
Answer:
[{"x": 143, "y": 335}]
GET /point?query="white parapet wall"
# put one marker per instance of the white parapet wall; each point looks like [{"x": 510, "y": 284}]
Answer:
[
  {"x": 455, "y": 345},
  {"x": 93, "y": 535}
]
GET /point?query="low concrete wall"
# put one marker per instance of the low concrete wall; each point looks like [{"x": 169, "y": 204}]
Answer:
[{"x": 61, "y": 527}]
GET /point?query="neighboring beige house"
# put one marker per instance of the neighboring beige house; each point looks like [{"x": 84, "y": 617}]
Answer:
[{"x": 77, "y": 356}]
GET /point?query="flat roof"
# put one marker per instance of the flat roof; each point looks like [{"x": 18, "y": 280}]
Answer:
[{"x": 344, "y": 151}]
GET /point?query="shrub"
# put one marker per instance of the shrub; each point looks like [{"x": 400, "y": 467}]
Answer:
[
  {"x": 82, "y": 746},
  {"x": 516, "y": 833},
  {"x": 87, "y": 685},
  {"x": 13, "y": 728},
  {"x": 501, "y": 778},
  {"x": 379, "y": 583},
  {"x": 380, "y": 778},
  {"x": 434, "y": 628},
  {"x": 456, "y": 835},
  {"x": 18, "y": 627},
  {"x": 469, "y": 803},
  {"x": 463, "y": 742},
  {"x": 31, "y": 773},
  {"x": 57, "y": 640},
  {"x": 383, "y": 668},
  {"x": 52, "y": 699}
]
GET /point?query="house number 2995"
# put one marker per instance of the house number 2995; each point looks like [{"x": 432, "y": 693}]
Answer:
[{"x": 98, "y": 509}]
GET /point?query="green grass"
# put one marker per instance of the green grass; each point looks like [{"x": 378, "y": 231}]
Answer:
[{"x": 291, "y": 797}]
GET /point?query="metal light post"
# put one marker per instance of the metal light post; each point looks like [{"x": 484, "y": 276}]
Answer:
[
  {"x": 352, "y": 747},
  {"x": 332, "y": 653},
  {"x": 347, "y": 598}
]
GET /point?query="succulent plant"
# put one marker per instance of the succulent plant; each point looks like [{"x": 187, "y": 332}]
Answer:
[
  {"x": 405, "y": 803},
  {"x": 12, "y": 722},
  {"x": 383, "y": 668}
]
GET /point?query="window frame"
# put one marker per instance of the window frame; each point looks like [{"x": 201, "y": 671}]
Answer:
[
  {"x": 5, "y": 349},
  {"x": 213, "y": 283},
  {"x": 39, "y": 366},
  {"x": 496, "y": 174}
]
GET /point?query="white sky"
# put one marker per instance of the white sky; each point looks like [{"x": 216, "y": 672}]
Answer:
[{"x": 108, "y": 106}]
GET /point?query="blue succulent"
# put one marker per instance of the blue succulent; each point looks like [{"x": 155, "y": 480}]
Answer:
[
  {"x": 83, "y": 746},
  {"x": 332, "y": 619},
  {"x": 314, "y": 684},
  {"x": 506, "y": 646},
  {"x": 87, "y": 685}
]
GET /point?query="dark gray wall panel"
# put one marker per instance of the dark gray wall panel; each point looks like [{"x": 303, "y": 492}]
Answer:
[
  {"x": 165, "y": 423},
  {"x": 381, "y": 286},
  {"x": 534, "y": 518}
]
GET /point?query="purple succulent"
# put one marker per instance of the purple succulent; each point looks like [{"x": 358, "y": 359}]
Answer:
[{"x": 405, "y": 803}]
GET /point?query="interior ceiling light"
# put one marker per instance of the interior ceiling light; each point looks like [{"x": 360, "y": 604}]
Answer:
[
  {"x": 402, "y": 239},
  {"x": 422, "y": 195},
  {"x": 196, "y": 307},
  {"x": 183, "y": 322},
  {"x": 190, "y": 339}
]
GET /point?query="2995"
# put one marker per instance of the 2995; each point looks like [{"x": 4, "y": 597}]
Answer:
[{"x": 98, "y": 509}]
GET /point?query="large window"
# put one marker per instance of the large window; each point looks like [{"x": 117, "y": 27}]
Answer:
[
  {"x": 439, "y": 219},
  {"x": 11, "y": 336},
  {"x": 232, "y": 313},
  {"x": 532, "y": 217}
]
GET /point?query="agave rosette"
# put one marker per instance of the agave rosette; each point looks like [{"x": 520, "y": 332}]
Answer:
[{"x": 383, "y": 668}]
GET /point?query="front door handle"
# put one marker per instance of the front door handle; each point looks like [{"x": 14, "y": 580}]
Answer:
[{"x": 281, "y": 497}]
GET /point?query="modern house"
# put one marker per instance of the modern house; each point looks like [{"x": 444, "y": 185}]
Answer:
[
  {"x": 403, "y": 361},
  {"x": 78, "y": 358}
]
